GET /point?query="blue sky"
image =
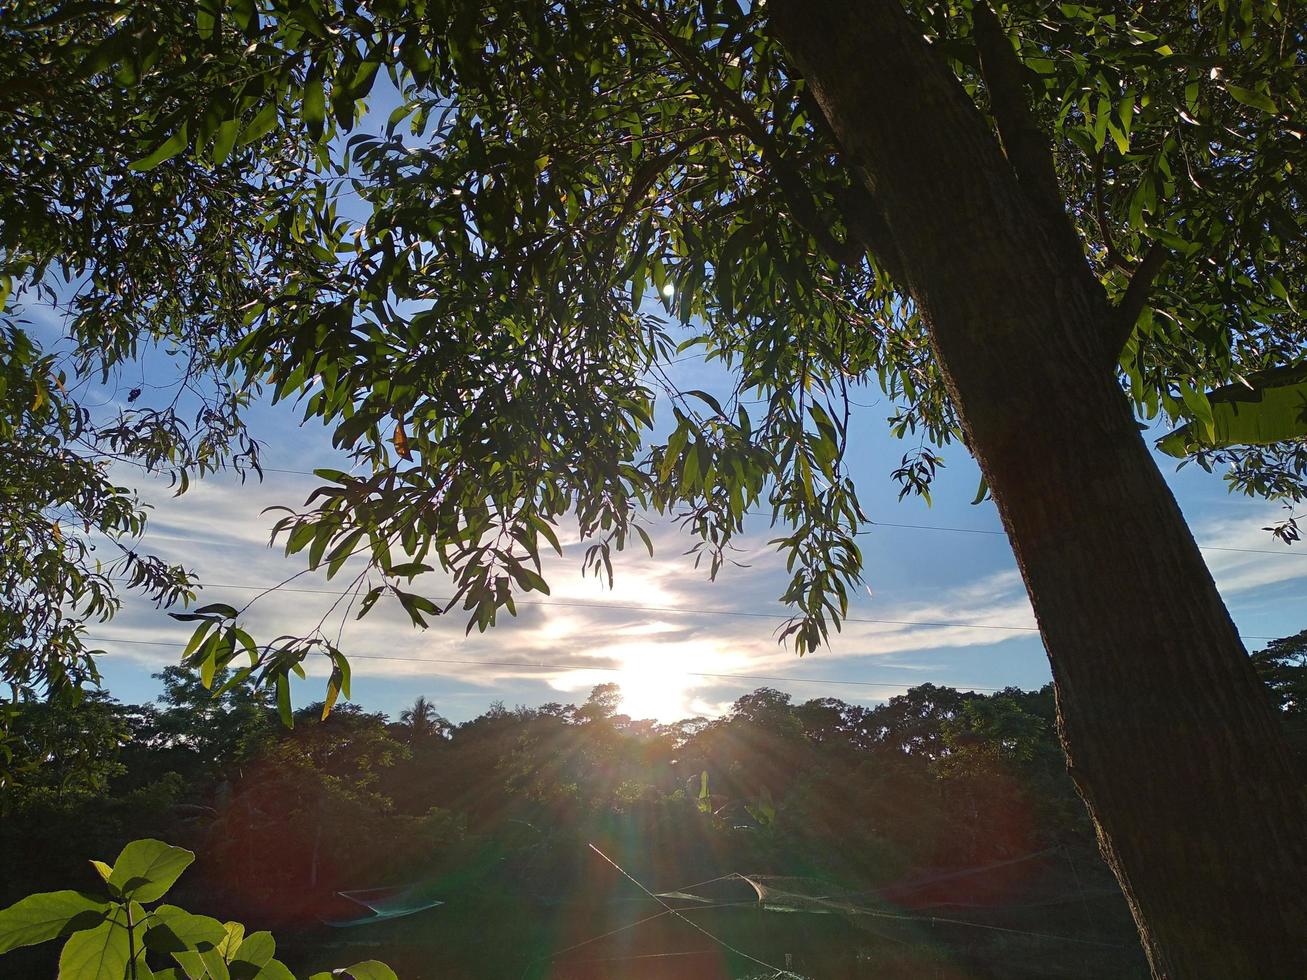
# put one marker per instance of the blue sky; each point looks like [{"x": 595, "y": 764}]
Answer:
[{"x": 664, "y": 625}]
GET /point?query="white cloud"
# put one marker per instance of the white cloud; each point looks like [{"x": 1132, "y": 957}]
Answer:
[
  {"x": 634, "y": 634},
  {"x": 1245, "y": 570}
]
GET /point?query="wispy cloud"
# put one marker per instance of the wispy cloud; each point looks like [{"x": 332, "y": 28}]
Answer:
[
  {"x": 659, "y": 631},
  {"x": 1243, "y": 571}
]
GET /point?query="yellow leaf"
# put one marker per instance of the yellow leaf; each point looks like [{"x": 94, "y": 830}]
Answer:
[{"x": 401, "y": 442}]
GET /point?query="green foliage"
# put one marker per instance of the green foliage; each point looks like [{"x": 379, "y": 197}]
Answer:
[
  {"x": 1263, "y": 410},
  {"x": 565, "y": 198},
  {"x": 62, "y": 748},
  {"x": 112, "y": 939},
  {"x": 39, "y": 918}
]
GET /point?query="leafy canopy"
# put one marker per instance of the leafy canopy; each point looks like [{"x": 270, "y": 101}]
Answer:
[{"x": 479, "y": 296}]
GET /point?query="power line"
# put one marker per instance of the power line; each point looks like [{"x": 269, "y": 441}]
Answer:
[
  {"x": 684, "y": 610},
  {"x": 1003, "y": 534},
  {"x": 679, "y": 610},
  {"x": 538, "y": 665}
]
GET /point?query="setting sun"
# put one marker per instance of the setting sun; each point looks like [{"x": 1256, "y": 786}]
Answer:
[
  {"x": 653, "y": 688},
  {"x": 659, "y": 680}
]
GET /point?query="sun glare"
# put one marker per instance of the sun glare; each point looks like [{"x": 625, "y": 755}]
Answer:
[
  {"x": 651, "y": 693},
  {"x": 656, "y": 681}
]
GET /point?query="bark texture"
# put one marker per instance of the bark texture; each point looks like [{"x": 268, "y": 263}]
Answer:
[{"x": 1169, "y": 736}]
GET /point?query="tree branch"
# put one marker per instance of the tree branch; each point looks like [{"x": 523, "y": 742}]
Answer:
[
  {"x": 1126, "y": 314},
  {"x": 1113, "y": 257},
  {"x": 862, "y": 215},
  {"x": 1026, "y": 146}
]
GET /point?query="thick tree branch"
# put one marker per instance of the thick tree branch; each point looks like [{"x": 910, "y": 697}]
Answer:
[
  {"x": 1126, "y": 314},
  {"x": 1026, "y": 146}
]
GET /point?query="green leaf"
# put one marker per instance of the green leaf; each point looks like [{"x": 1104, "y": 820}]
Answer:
[
  {"x": 208, "y": 15},
  {"x": 173, "y": 145},
  {"x": 274, "y": 970},
  {"x": 262, "y": 123},
  {"x": 49, "y": 915},
  {"x": 256, "y": 948},
  {"x": 708, "y": 399},
  {"x": 254, "y": 952},
  {"x": 172, "y": 930},
  {"x": 283, "y": 701},
  {"x": 192, "y": 964},
  {"x": 224, "y": 140},
  {"x": 333, "y": 692},
  {"x": 1249, "y": 97},
  {"x": 101, "y": 953},
  {"x": 1273, "y": 410},
  {"x": 1198, "y": 404},
  {"x": 146, "y": 869},
  {"x": 371, "y": 970}
]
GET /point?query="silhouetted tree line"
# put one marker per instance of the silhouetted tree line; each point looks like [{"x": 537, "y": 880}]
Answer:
[{"x": 948, "y": 817}]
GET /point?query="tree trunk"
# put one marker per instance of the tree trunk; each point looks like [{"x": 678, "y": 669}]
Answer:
[{"x": 1169, "y": 737}]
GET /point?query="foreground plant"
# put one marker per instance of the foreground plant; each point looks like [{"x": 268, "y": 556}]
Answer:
[{"x": 114, "y": 937}]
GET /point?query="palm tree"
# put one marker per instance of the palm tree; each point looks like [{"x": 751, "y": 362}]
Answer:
[{"x": 422, "y": 720}]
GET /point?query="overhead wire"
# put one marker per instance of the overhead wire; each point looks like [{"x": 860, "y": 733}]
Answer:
[
  {"x": 871, "y": 529},
  {"x": 682, "y": 610}
]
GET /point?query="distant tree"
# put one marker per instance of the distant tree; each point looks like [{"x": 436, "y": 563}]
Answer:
[
  {"x": 205, "y": 734},
  {"x": 601, "y": 705},
  {"x": 64, "y": 751},
  {"x": 915, "y": 721},
  {"x": 767, "y": 709},
  {"x": 421, "y": 721},
  {"x": 1283, "y": 667},
  {"x": 830, "y": 721}
]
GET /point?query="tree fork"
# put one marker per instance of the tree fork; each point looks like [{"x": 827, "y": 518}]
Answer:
[{"x": 1169, "y": 737}]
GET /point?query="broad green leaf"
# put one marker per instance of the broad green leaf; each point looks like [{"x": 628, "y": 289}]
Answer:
[
  {"x": 1273, "y": 410},
  {"x": 146, "y": 869},
  {"x": 1198, "y": 404},
  {"x": 254, "y": 952},
  {"x": 231, "y": 941},
  {"x": 191, "y": 963},
  {"x": 101, "y": 953},
  {"x": 274, "y": 970},
  {"x": 370, "y": 970},
  {"x": 283, "y": 701},
  {"x": 172, "y": 930},
  {"x": 262, "y": 124},
  {"x": 49, "y": 915}
]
